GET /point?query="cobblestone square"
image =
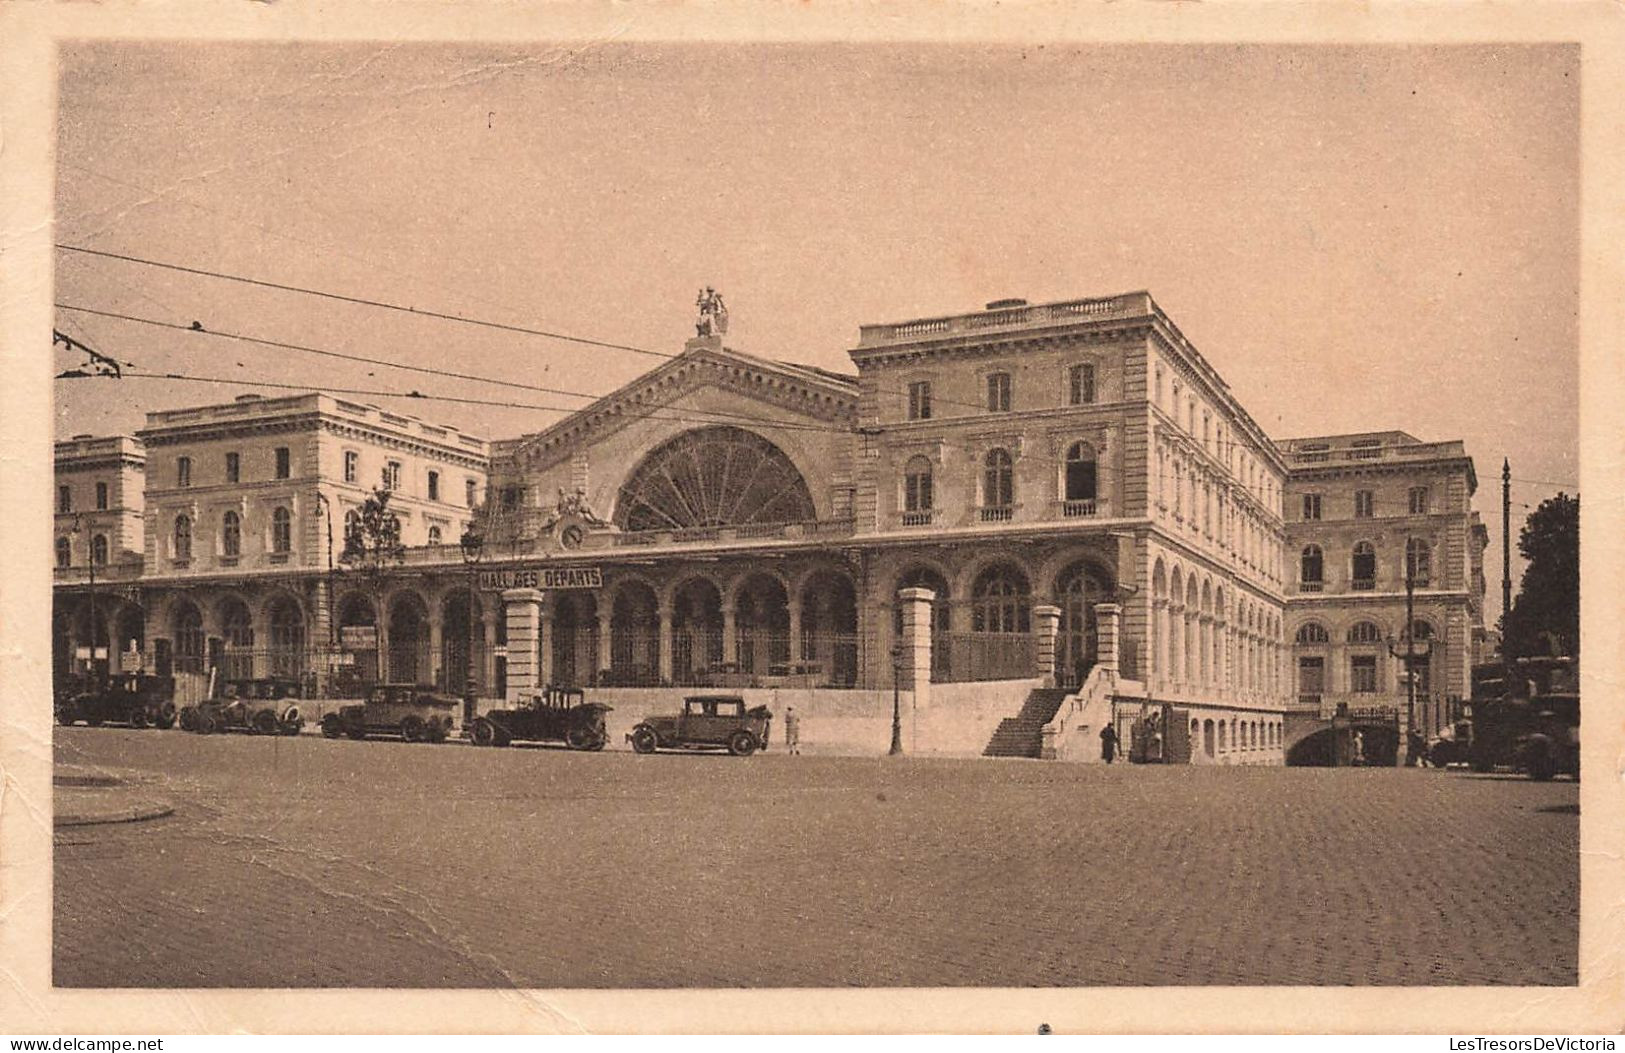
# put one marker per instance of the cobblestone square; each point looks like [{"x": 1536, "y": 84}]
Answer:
[{"x": 308, "y": 863}]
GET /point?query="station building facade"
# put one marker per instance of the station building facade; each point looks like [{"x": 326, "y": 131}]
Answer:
[{"x": 1072, "y": 483}]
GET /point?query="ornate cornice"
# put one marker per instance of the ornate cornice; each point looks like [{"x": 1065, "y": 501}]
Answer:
[
  {"x": 408, "y": 444},
  {"x": 993, "y": 344},
  {"x": 209, "y": 431}
]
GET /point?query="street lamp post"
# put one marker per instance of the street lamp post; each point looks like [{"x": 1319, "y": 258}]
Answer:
[
  {"x": 1410, "y": 653},
  {"x": 90, "y": 563},
  {"x": 332, "y": 593},
  {"x": 896, "y": 701},
  {"x": 473, "y": 546}
]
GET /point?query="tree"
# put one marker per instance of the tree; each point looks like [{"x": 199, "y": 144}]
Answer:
[
  {"x": 1545, "y": 615},
  {"x": 372, "y": 545}
]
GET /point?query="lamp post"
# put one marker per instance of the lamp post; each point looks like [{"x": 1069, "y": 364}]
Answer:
[
  {"x": 1410, "y": 653},
  {"x": 896, "y": 701},
  {"x": 473, "y": 546},
  {"x": 90, "y": 563},
  {"x": 326, "y": 509}
]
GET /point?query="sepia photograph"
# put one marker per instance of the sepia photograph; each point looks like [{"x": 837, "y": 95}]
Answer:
[{"x": 695, "y": 514}]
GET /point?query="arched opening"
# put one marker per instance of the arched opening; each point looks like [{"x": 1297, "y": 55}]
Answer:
[
  {"x": 829, "y": 627},
  {"x": 237, "y": 634},
  {"x": 286, "y": 621},
  {"x": 696, "y": 630},
  {"x": 131, "y": 634},
  {"x": 762, "y": 625},
  {"x": 575, "y": 638},
  {"x": 462, "y": 637},
  {"x": 634, "y": 653},
  {"x": 409, "y": 640},
  {"x": 1077, "y": 589},
  {"x": 999, "y": 645},
  {"x": 1208, "y": 746},
  {"x": 186, "y": 629},
  {"x": 711, "y": 477},
  {"x": 358, "y": 641}
]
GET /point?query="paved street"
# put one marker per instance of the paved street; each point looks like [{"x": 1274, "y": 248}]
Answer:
[{"x": 303, "y": 862}]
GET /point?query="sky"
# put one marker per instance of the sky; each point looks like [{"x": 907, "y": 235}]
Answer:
[{"x": 1357, "y": 238}]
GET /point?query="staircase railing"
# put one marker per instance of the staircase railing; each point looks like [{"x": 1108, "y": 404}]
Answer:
[{"x": 1091, "y": 704}]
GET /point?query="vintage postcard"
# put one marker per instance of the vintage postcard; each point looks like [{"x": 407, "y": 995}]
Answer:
[{"x": 637, "y": 518}]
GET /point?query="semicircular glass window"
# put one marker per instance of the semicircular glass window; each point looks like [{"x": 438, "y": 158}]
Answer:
[{"x": 718, "y": 476}]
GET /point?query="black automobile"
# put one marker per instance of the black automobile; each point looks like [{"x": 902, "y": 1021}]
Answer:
[
  {"x": 411, "y": 711},
  {"x": 559, "y": 714},
  {"x": 139, "y": 700},
  {"x": 707, "y": 722}
]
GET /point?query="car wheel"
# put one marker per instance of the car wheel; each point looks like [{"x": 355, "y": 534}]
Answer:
[
  {"x": 578, "y": 738},
  {"x": 166, "y": 716},
  {"x": 264, "y": 722},
  {"x": 294, "y": 726},
  {"x": 66, "y": 716},
  {"x": 742, "y": 744},
  {"x": 188, "y": 718},
  {"x": 644, "y": 740},
  {"x": 482, "y": 733},
  {"x": 436, "y": 732},
  {"x": 332, "y": 727},
  {"x": 138, "y": 717},
  {"x": 599, "y": 743},
  {"x": 412, "y": 729},
  {"x": 206, "y": 723}
]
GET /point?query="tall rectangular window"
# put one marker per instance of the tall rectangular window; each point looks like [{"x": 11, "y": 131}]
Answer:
[
  {"x": 434, "y": 486},
  {"x": 470, "y": 491},
  {"x": 1363, "y": 673},
  {"x": 919, "y": 400},
  {"x": 998, "y": 393},
  {"x": 1419, "y": 500},
  {"x": 101, "y": 497},
  {"x": 392, "y": 475},
  {"x": 284, "y": 463},
  {"x": 1311, "y": 506},
  {"x": 64, "y": 499},
  {"x": 1362, "y": 504},
  {"x": 352, "y": 466},
  {"x": 1081, "y": 384},
  {"x": 183, "y": 471},
  {"x": 234, "y": 465}
]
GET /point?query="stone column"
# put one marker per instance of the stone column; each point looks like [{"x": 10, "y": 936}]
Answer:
[
  {"x": 730, "y": 642},
  {"x": 544, "y": 648},
  {"x": 916, "y": 643},
  {"x": 1108, "y": 631},
  {"x": 1046, "y": 629},
  {"x": 796, "y": 653},
  {"x": 486, "y": 686},
  {"x": 664, "y": 659},
  {"x": 523, "y": 611},
  {"x": 605, "y": 628},
  {"x": 437, "y": 635}
]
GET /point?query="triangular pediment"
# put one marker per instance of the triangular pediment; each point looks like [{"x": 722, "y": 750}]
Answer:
[{"x": 760, "y": 392}]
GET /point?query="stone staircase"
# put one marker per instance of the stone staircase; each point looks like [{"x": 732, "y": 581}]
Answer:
[{"x": 1022, "y": 735}]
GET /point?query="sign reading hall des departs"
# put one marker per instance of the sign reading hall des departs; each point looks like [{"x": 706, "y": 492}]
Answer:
[{"x": 542, "y": 578}]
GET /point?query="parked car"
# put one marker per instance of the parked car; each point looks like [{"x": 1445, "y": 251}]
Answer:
[
  {"x": 414, "y": 712},
  {"x": 138, "y": 700},
  {"x": 253, "y": 716},
  {"x": 707, "y": 722},
  {"x": 560, "y": 714},
  {"x": 1551, "y": 746}
]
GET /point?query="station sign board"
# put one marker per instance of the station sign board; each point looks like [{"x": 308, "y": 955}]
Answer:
[
  {"x": 542, "y": 578},
  {"x": 359, "y": 637}
]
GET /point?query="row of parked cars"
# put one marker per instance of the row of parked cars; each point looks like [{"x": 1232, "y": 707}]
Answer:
[{"x": 418, "y": 714}]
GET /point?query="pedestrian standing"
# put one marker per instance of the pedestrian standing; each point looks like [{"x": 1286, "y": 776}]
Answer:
[
  {"x": 792, "y": 731},
  {"x": 1108, "y": 743}
]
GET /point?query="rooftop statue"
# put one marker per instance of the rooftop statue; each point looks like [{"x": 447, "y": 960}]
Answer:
[{"x": 713, "y": 320}]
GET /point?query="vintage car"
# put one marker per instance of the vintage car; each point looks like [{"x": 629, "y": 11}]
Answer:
[
  {"x": 707, "y": 722},
  {"x": 1551, "y": 745},
  {"x": 414, "y": 712},
  {"x": 135, "y": 699},
  {"x": 256, "y": 716},
  {"x": 560, "y": 714}
]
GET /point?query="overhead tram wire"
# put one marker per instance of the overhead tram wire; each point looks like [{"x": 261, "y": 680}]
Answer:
[
  {"x": 364, "y": 359},
  {"x": 364, "y": 301}
]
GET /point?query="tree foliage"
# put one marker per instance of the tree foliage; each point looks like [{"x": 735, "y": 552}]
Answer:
[
  {"x": 1545, "y": 615},
  {"x": 372, "y": 541}
]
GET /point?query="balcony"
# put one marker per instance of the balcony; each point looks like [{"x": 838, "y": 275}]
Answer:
[
  {"x": 1084, "y": 508},
  {"x": 105, "y": 572},
  {"x": 1311, "y": 586},
  {"x": 1363, "y": 585},
  {"x": 921, "y": 518},
  {"x": 997, "y": 514}
]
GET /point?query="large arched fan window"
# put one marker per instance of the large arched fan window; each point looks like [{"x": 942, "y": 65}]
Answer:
[{"x": 719, "y": 476}]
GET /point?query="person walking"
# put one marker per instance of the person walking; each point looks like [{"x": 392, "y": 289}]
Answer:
[
  {"x": 1108, "y": 743},
  {"x": 792, "y": 731}
]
